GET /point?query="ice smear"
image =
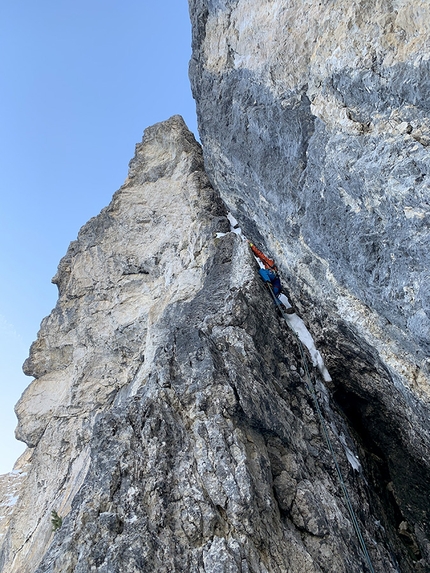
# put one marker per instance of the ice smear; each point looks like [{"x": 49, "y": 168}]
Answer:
[
  {"x": 234, "y": 225},
  {"x": 294, "y": 321},
  {"x": 299, "y": 327},
  {"x": 355, "y": 464}
]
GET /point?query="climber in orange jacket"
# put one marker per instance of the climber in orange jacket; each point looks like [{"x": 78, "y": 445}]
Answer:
[
  {"x": 268, "y": 263},
  {"x": 271, "y": 277},
  {"x": 270, "y": 272}
]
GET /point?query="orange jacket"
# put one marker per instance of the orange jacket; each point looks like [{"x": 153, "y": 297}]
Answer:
[{"x": 268, "y": 263}]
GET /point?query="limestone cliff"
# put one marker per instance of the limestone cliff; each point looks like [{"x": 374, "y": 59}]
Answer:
[
  {"x": 314, "y": 121},
  {"x": 170, "y": 422},
  {"x": 143, "y": 255}
]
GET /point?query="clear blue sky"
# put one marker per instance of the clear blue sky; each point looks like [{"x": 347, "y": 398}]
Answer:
[{"x": 79, "y": 82}]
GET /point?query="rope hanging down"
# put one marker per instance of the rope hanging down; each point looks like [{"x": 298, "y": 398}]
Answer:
[{"x": 323, "y": 423}]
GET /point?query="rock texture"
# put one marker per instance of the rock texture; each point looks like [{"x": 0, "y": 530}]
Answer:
[
  {"x": 169, "y": 423},
  {"x": 142, "y": 254},
  {"x": 314, "y": 120}
]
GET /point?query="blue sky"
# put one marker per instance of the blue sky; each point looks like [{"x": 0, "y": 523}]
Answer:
[{"x": 79, "y": 82}]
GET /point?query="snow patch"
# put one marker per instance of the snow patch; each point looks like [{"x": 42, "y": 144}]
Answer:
[
  {"x": 234, "y": 225},
  {"x": 352, "y": 458},
  {"x": 17, "y": 473},
  {"x": 298, "y": 326}
]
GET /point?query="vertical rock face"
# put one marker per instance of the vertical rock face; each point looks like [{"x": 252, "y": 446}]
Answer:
[
  {"x": 142, "y": 254},
  {"x": 314, "y": 120},
  {"x": 169, "y": 424}
]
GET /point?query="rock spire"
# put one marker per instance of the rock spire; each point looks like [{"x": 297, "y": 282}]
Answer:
[{"x": 169, "y": 424}]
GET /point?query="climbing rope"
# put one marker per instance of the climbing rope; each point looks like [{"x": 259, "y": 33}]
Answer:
[{"x": 323, "y": 423}]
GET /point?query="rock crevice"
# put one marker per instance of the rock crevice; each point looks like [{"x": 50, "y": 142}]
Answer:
[{"x": 168, "y": 423}]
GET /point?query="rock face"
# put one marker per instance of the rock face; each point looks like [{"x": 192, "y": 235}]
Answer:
[
  {"x": 315, "y": 125},
  {"x": 142, "y": 255},
  {"x": 169, "y": 423},
  {"x": 314, "y": 118}
]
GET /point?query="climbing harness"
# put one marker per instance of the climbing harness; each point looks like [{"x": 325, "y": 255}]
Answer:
[{"x": 323, "y": 424}]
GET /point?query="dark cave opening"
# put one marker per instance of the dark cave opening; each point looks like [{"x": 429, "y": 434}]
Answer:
[{"x": 381, "y": 452}]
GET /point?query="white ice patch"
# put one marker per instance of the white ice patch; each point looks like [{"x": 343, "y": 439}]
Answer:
[
  {"x": 322, "y": 391},
  {"x": 299, "y": 327},
  {"x": 234, "y": 225},
  {"x": 353, "y": 460}
]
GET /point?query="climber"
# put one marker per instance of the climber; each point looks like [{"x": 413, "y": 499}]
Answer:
[
  {"x": 270, "y": 277},
  {"x": 270, "y": 272},
  {"x": 268, "y": 263}
]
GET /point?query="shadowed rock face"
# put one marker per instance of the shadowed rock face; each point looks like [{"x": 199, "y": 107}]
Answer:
[{"x": 314, "y": 120}]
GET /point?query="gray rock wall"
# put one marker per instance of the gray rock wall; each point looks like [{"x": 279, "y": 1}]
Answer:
[
  {"x": 144, "y": 252},
  {"x": 314, "y": 122},
  {"x": 218, "y": 462},
  {"x": 169, "y": 423}
]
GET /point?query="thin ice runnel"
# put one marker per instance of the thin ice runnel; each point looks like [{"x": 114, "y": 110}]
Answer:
[
  {"x": 294, "y": 322},
  {"x": 298, "y": 326}
]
